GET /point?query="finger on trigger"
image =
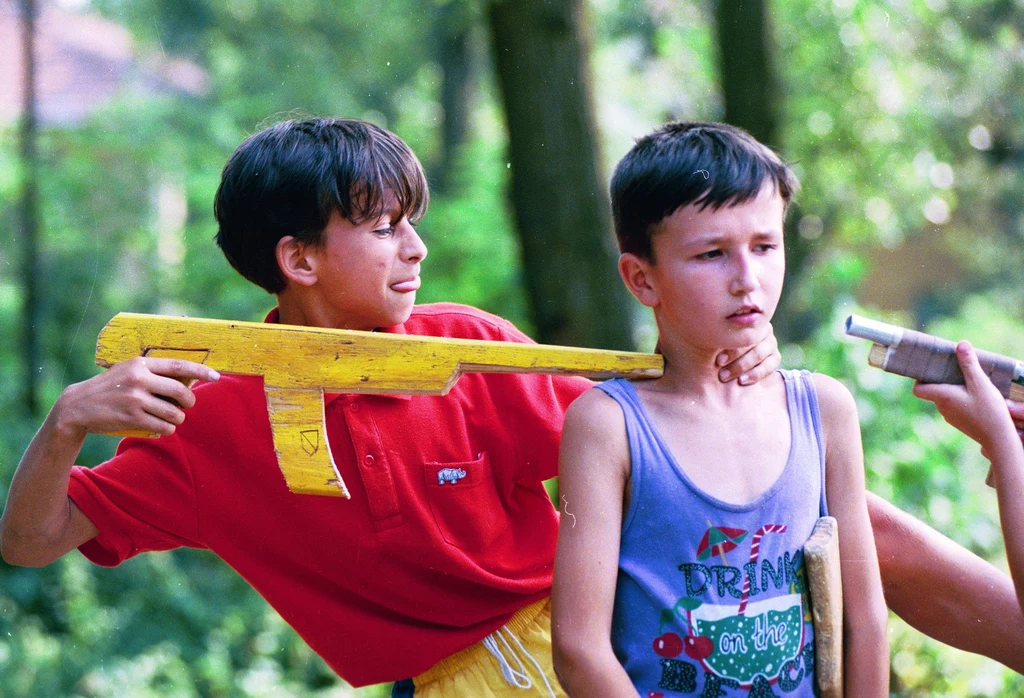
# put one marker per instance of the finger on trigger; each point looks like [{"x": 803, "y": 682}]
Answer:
[{"x": 185, "y": 371}]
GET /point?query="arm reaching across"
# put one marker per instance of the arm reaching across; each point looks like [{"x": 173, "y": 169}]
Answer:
[
  {"x": 593, "y": 471},
  {"x": 866, "y": 643},
  {"x": 970, "y": 604},
  {"x": 40, "y": 523}
]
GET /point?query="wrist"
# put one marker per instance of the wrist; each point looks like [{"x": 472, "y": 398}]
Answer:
[
  {"x": 1005, "y": 447},
  {"x": 62, "y": 417}
]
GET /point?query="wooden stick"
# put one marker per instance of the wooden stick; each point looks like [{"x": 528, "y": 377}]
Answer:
[{"x": 821, "y": 556}]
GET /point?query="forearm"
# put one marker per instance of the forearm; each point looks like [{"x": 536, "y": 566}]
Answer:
[
  {"x": 866, "y": 653},
  {"x": 1008, "y": 467},
  {"x": 865, "y": 617},
  {"x": 37, "y": 512},
  {"x": 589, "y": 671},
  {"x": 969, "y": 604}
]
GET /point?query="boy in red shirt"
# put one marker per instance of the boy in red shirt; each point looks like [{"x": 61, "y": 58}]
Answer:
[{"x": 412, "y": 576}]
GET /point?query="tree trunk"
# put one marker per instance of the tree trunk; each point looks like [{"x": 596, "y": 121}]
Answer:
[
  {"x": 29, "y": 212},
  {"x": 748, "y": 77},
  {"x": 558, "y": 194},
  {"x": 751, "y": 102},
  {"x": 454, "y": 55}
]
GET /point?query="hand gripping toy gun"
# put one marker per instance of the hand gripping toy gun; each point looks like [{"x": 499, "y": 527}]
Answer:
[
  {"x": 300, "y": 364},
  {"x": 931, "y": 359}
]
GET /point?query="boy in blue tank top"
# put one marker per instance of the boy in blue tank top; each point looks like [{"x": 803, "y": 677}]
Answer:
[{"x": 686, "y": 502}]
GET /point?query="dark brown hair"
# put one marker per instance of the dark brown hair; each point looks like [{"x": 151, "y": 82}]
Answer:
[
  {"x": 289, "y": 178},
  {"x": 701, "y": 163}
]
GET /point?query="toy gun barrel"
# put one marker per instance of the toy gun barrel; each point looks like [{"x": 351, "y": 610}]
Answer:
[{"x": 931, "y": 359}]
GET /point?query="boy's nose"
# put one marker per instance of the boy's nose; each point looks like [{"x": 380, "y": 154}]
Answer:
[
  {"x": 413, "y": 247},
  {"x": 744, "y": 279}
]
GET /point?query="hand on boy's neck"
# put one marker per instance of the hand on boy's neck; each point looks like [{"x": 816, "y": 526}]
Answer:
[
  {"x": 696, "y": 373},
  {"x": 741, "y": 366}
]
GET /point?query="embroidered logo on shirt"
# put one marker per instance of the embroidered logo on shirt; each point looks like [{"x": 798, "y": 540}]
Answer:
[{"x": 452, "y": 475}]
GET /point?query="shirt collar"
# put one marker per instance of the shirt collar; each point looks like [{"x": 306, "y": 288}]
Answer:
[{"x": 274, "y": 316}]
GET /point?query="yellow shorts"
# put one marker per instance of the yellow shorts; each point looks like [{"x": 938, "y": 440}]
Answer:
[{"x": 513, "y": 661}]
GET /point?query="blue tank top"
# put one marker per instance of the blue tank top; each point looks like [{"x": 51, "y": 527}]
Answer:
[{"x": 711, "y": 597}]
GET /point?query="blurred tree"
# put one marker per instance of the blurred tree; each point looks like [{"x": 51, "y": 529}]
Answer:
[
  {"x": 455, "y": 24},
  {"x": 747, "y": 74},
  {"x": 30, "y": 214},
  {"x": 558, "y": 193}
]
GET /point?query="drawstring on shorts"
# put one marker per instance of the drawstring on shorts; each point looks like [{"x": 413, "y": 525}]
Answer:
[{"x": 518, "y": 678}]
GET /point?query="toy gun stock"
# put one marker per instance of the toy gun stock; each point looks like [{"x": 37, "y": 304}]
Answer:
[
  {"x": 931, "y": 359},
  {"x": 300, "y": 364}
]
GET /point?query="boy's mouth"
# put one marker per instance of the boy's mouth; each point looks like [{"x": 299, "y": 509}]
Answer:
[
  {"x": 407, "y": 286},
  {"x": 747, "y": 312}
]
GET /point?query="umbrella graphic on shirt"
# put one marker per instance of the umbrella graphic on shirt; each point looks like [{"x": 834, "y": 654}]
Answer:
[{"x": 718, "y": 540}]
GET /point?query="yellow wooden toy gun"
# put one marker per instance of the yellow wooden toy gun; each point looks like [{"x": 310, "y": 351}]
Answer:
[
  {"x": 931, "y": 359},
  {"x": 300, "y": 364}
]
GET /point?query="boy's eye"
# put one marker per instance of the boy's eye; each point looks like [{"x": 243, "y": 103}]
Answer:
[
  {"x": 710, "y": 254},
  {"x": 385, "y": 232},
  {"x": 765, "y": 247}
]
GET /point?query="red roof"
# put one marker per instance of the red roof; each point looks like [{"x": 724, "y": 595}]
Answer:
[{"x": 83, "y": 61}]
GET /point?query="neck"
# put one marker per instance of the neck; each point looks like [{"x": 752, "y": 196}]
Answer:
[
  {"x": 298, "y": 308},
  {"x": 291, "y": 309},
  {"x": 692, "y": 371}
]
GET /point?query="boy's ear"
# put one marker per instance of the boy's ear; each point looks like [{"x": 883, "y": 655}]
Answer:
[
  {"x": 636, "y": 273},
  {"x": 296, "y": 261}
]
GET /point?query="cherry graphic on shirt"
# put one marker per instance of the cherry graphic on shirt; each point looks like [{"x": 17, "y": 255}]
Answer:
[
  {"x": 655, "y": 694},
  {"x": 668, "y": 645},
  {"x": 698, "y": 646}
]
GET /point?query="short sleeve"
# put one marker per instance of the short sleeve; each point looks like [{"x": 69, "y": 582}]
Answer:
[{"x": 141, "y": 500}]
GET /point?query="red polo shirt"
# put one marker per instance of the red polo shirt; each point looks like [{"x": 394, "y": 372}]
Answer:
[{"x": 407, "y": 571}]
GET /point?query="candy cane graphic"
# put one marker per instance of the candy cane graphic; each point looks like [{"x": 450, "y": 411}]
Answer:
[{"x": 755, "y": 547}]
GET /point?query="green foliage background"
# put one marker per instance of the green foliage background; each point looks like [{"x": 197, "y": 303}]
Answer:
[{"x": 905, "y": 123}]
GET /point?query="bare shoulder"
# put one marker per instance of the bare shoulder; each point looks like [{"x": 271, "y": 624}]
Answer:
[
  {"x": 838, "y": 409},
  {"x": 834, "y": 399},
  {"x": 595, "y": 426},
  {"x": 594, "y": 408}
]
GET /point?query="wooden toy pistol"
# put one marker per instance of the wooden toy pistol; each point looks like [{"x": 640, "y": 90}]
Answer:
[
  {"x": 930, "y": 359},
  {"x": 300, "y": 364}
]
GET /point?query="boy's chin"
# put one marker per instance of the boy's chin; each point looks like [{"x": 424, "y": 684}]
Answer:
[
  {"x": 400, "y": 316},
  {"x": 746, "y": 339},
  {"x": 743, "y": 341}
]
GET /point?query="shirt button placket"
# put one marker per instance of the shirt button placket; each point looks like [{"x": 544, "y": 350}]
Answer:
[{"x": 373, "y": 465}]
